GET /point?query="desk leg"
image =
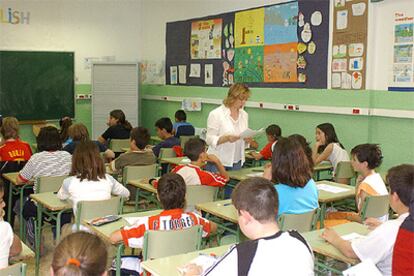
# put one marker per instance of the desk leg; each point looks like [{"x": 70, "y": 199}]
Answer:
[
  {"x": 119, "y": 251},
  {"x": 38, "y": 236},
  {"x": 322, "y": 216},
  {"x": 9, "y": 204},
  {"x": 58, "y": 222},
  {"x": 22, "y": 224},
  {"x": 136, "y": 199}
]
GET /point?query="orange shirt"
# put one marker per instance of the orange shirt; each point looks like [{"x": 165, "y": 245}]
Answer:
[{"x": 15, "y": 150}]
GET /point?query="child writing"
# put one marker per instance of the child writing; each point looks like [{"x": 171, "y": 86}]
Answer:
[
  {"x": 164, "y": 130},
  {"x": 171, "y": 192},
  {"x": 80, "y": 253},
  {"x": 88, "y": 180},
  {"x": 378, "y": 245},
  {"x": 273, "y": 132},
  {"x": 292, "y": 172},
  {"x": 195, "y": 150},
  {"x": 181, "y": 126},
  {"x": 10, "y": 244},
  {"x": 119, "y": 127},
  {"x": 328, "y": 147},
  {"x": 269, "y": 251}
]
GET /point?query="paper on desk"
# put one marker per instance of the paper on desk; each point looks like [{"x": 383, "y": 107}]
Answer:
[
  {"x": 352, "y": 236},
  {"x": 249, "y": 133},
  {"x": 186, "y": 160},
  {"x": 259, "y": 174},
  {"x": 367, "y": 267},
  {"x": 134, "y": 220},
  {"x": 203, "y": 260},
  {"x": 331, "y": 189}
]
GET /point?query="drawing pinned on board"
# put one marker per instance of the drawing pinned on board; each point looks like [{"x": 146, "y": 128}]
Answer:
[
  {"x": 208, "y": 73},
  {"x": 230, "y": 54},
  {"x": 356, "y": 80},
  {"x": 356, "y": 49},
  {"x": 195, "y": 69},
  {"x": 339, "y": 65},
  {"x": 339, "y": 3},
  {"x": 316, "y": 18},
  {"x": 301, "y": 47},
  {"x": 403, "y": 33},
  {"x": 342, "y": 50},
  {"x": 336, "y": 80},
  {"x": 182, "y": 74},
  {"x": 231, "y": 40},
  {"x": 173, "y": 75},
  {"x": 403, "y": 53},
  {"x": 356, "y": 64},
  {"x": 301, "y": 63},
  {"x": 346, "y": 80},
  {"x": 358, "y": 9},
  {"x": 341, "y": 19},
  {"x": 306, "y": 33},
  {"x": 301, "y": 20},
  {"x": 402, "y": 73},
  {"x": 302, "y": 77},
  {"x": 311, "y": 48}
]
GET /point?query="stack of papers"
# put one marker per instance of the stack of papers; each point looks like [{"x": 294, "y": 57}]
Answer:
[
  {"x": 249, "y": 133},
  {"x": 331, "y": 189}
]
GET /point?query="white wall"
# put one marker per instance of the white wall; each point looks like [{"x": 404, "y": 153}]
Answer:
[{"x": 90, "y": 28}]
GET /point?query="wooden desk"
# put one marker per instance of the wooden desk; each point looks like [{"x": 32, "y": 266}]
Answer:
[
  {"x": 26, "y": 254},
  {"x": 139, "y": 185},
  {"x": 244, "y": 173},
  {"x": 105, "y": 231},
  {"x": 320, "y": 246},
  {"x": 168, "y": 265},
  {"x": 176, "y": 160},
  {"x": 50, "y": 205}
]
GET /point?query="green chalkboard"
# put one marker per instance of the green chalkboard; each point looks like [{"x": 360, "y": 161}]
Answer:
[{"x": 37, "y": 85}]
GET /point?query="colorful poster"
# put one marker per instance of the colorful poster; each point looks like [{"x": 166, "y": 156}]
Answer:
[
  {"x": 249, "y": 28},
  {"x": 280, "y": 63},
  {"x": 205, "y": 40},
  {"x": 249, "y": 64},
  {"x": 280, "y": 23},
  {"x": 402, "y": 73},
  {"x": 403, "y": 33},
  {"x": 403, "y": 53}
]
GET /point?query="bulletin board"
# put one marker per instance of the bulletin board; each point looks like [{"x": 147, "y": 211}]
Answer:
[
  {"x": 349, "y": 44},
  {"x": 281, "y": 45}
]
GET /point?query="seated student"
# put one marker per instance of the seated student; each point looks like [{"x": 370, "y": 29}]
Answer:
[
  {"x": 64, "y": 124},
  {"x": 292, "y": 172},
  {"x": 13, "y": 149},
  {"x": 119, "y": 127},
  {"x": 378, "y": 245},
  {"x": 195, "y": 150},
  {"x": 269, "y": 251},
  {"x": 305, "y": 145},
  {"x": 328, "y": 148},
  {"x": 80, "y": 253},
  {"x": 79, "y": 133},
  {"x": 171, "y": 193},
  {"x": 365, "y": 158},
  {"x": 139, "y": 154},
  {"x": 50, "y": 160},
  {"x": 181, "y": 127},
  {"x": 273, "y": 132},
  {"x": 164, "y": 128},
  {"x": 10, "y": 244},
  {"x": 88, "y": 180}
]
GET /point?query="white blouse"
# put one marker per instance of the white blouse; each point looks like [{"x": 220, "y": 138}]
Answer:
[{"x": 221, "y": 123}]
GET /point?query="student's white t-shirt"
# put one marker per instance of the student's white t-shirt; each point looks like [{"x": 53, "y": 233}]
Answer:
[
  {"x": 6, "y": 241},
  {"x": 378, "y": 245}
]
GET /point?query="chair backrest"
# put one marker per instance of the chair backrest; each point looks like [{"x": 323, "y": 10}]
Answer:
[
  {"x": 167, "y": 153},
  {"x": 138, "y": 172},
  {"x": 18, "y": 269},
  {"x": 301, "y": 222},
  {"x": 98, "y": 208},
  {"x": 116, "y": 145},
  {"x": 375, "y": 207},
  {"x": 158, "y": 243},
  {"x": 184, "y": 139},
  {"x": 11, "y": 166},
  {"x": 344, "y": 170},
  {"x": 197, "y": 194},
  {"x": 49, "y": 183},
  {"x": 187, "y": 130}
]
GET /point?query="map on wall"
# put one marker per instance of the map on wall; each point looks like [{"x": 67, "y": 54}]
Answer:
[{"x": 206, "y": 39}]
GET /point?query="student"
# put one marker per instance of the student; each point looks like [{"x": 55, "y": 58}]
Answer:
[
  {"x": 13, "y": 149},
  {"x": 139, "y": 154},
  {"x": 292, "y": 172},
  {"x": 119, "y": 127},
  {"x": 273, "y": 132},
  {"x": 305, "y": 145},
  {"x": 88, "y": 180},
  {"x": 64, "y": 124},
  {"x": 378, "y": 244},
  {"x": 164, "y": 131},
  {"x": 328, "y": 147},
  {"x": 181, "y": 127},
  {"x": 10, "y": 244},
  {"x": 270, "y": 250},
  {"x": 171, "y": 193},
  {"x": 79, "y": 133},
  {"x": 80, "y": 253},
  {"x": 50, "y": 160},
  {"x": 195, "y": 150}
]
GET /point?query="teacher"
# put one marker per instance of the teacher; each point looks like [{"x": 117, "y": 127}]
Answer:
[{"x": 224, "y": 126}]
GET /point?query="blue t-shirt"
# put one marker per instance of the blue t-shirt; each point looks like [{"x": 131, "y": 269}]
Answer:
[
  {"x": 178, "y": 124},
  {"x": 297, "y": 200},
  {"x": 167, "y": 143}
]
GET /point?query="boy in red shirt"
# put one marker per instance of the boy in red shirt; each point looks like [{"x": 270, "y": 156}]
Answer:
[
  {"x": 273, "y": 132},
  {"x": 13, "y": 149}
]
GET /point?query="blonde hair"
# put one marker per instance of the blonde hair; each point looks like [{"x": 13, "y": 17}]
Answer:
[
  {"x": 80, "y": 254},
  {"x": 10, "y": 128},
  {"x": 236, "y": 91}
]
